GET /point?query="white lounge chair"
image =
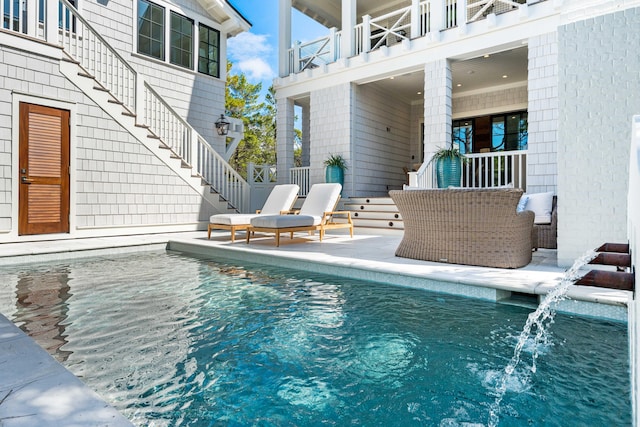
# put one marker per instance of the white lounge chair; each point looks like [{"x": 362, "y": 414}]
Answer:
[
  {"x": 280, "y": 200},
  {"x": 317, "y": 213}
]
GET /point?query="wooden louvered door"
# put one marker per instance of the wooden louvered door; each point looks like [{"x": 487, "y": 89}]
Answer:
[{"x": 43, "y": 170}]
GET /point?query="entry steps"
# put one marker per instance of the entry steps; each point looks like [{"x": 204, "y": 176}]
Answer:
[{"x": 374, "y": 214}]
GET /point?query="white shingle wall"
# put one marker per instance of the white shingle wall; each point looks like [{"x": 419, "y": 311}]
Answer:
[
  {"x": 285, "y": 118},
  {"x": 330, "y": 131},
  {"x": 471, "y": 105},
  {"x": 381, "y": 141},
  {"x": 197, "y": 97},
  {"x": 599, "y": 92},
  {"x": 437, "y": 105},
  {"x": 118, "y": 181},
  {"x": 542, "y": 163}
]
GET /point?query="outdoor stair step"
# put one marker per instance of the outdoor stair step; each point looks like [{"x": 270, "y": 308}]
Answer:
[
  {"x": 370, "y": 207},
  {"x": 378, "y": 223},
  {"x": 614, "y": 247},
  {"x": 371, "y": 201},
  {"x": 380, "y": 215}
]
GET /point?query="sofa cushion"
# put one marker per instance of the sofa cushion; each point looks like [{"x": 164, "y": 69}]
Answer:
[
  {"x": 284, "y": 221},
  {"x": 541, "y": 204}
]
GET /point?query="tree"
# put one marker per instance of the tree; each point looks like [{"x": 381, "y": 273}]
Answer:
[{"x": 242, "y": 101}]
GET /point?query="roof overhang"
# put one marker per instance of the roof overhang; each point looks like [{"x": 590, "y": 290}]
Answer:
[{"x": 232, "y": 21}]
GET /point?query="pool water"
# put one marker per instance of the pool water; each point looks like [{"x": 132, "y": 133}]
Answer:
[{"x": 176, "y": 341}]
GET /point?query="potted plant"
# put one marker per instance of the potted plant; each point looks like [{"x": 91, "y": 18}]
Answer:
[
  {"x": 448, "y": 164},
  {"x": 335, "y": 167}
]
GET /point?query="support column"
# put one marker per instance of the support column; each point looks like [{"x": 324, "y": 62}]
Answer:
[
  {"x": 347, "y": 48},
  {"x": 437, "y": 107},
  {"x": 285, "y": 138},
  {"x": 284, "y": 36},
  {"x": 306, "y": 138}
]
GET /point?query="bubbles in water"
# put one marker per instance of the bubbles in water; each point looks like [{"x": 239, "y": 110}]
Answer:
[
  {"x": 385, "y": 357},
  {"x": 311, "y": 393}
]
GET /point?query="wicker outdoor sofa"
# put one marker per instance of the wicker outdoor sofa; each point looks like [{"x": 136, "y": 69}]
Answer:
[{"x": 465, "y": 226}]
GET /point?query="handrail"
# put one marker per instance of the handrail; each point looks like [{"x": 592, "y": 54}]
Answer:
[
  {"x": 95, "y": 55},
  {"x": 83, "y": 44}
]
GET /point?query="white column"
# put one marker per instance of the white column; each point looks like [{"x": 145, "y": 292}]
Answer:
[
  {"x": 306, "y": 137},
  {"x": 437, "y": 106},
  {"x": 284, "y": 36},
  {"x": 284, "y": 140},
  {"x": 415, "y": 19},
  {"x": 348, "y": 24}
]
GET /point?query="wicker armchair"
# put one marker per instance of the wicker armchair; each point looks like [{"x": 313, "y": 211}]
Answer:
[
  {"x": 465, "y": 226},
  {"x": 546, "y": 235}
]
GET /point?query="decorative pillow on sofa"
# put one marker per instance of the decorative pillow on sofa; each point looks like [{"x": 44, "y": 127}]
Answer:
[
  {"x": 522, "y": 204},
  {"x": 541, "y": 204}
]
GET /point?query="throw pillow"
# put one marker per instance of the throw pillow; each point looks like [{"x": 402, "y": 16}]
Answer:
[
  {"x": 522, "y": 203},
  {"x": 541, "y": 204}
]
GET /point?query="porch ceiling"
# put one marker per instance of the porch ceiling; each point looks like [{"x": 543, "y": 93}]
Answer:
[
  {"x": 329, "y": 12},
  {"x": 474, "y": 74}
]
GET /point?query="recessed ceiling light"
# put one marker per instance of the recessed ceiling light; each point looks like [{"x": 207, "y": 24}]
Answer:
[
  {"x": 391, "y": 78},
  {"x": 459, "y": 85},
  {"x": 505, "y": 76},
  {"x": 419, "y": 93},
  {"x": 486, "y": 55}
]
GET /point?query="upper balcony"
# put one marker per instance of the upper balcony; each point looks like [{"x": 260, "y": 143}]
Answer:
[{"x": 386, "y": 24}]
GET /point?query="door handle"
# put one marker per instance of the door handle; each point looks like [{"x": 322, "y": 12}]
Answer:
[{"x": 25, "y": 180}]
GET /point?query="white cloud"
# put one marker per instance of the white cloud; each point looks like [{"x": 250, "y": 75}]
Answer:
[{"x": 250, "y": 54}]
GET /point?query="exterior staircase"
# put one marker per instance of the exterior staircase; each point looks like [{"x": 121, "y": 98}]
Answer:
[
  {"x": 374, "y": 214},
  {"x": 113, "y": 84},
  {"x": 370, "y": 215}
]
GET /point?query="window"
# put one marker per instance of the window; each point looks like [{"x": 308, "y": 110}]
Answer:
[
  {"x": 509, "y": 132},
  {"x": 181, "y": 41},
  {"x": 150, "y": 29},
  {"x": 208, "y": 51},
  {"x": 501, "y": 132},
  {"x": 463, "y": 135}
]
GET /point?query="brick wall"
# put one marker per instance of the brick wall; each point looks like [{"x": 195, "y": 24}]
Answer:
[{"x": 598, "y": 94}]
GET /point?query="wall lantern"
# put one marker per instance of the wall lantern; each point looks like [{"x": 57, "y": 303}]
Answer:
[{"x": 222, "y": 125}]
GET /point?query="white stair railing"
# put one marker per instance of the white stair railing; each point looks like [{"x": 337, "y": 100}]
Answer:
[
  {"x": 85, "y": 45},
  {"x": 300, "y": 176},
  {"x": 94, "y": 54}
]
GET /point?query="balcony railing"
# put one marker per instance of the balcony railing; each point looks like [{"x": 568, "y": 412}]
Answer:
[
  {"x": 482, "y": 170},
  {"x": 300, "y": 176},
  {"x": 421, "y": 18}
]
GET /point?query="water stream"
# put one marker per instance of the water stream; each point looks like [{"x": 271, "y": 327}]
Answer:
[{"x": 534, "y": 334}]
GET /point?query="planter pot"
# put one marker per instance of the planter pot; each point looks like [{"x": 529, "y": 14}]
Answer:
[
  {"x": 334, "y": 174},
  {"x": 448, "y": 172}
]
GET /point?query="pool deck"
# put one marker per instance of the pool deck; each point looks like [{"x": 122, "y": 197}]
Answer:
[{"x": 36, "y": 390}]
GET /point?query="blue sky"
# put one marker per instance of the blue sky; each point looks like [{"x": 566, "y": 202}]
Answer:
[{"x": 255, "y": 53}]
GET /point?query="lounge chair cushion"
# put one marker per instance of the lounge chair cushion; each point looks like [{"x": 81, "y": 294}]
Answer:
[
  {"x": 321, "y": 198},
  {"x": 281, "y": 195},
  {"x": 232, "y": 219},
  {"x": 285, "y": 221}
]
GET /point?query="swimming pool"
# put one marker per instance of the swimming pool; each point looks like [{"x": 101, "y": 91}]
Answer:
[{"x": 170, "y": 340}]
